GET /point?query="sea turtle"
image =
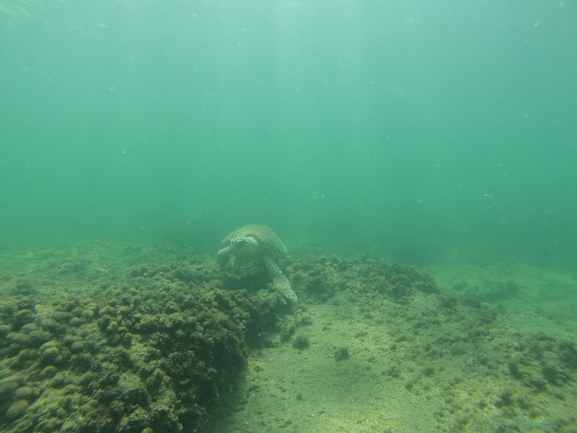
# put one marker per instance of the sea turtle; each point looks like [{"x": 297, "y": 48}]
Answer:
[{"x": 257, "y": 242}]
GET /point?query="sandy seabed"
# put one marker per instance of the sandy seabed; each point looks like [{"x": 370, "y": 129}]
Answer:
[{"x": 117, "y": 337}]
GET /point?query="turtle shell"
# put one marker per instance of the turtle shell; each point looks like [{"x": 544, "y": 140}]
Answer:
[{"x": 267, "y": 239}]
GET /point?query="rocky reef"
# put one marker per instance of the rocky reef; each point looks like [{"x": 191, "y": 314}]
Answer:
[
  {"x": 152, "y": 349},
  {"x": 150, "y": 354}
]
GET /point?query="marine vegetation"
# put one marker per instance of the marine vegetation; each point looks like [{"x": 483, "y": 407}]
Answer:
[{"x": 155, "y": 347}]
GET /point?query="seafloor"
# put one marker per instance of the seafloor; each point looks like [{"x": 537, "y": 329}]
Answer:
[{"x": 122, "y": 337}]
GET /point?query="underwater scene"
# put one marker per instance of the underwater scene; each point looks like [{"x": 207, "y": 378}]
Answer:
[{"x": 288, "y": 216}]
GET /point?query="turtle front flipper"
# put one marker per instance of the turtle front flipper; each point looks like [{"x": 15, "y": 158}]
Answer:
[
  {"x": 279, "y": 281},
  {"x": 222, "y": 257}
]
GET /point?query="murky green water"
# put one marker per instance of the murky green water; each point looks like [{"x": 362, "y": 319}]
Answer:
[
  {"x": 406, "y": 129},
  {"x": 136, "y": 134}
]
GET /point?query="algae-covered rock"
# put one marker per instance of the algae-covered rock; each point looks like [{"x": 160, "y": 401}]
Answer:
[
  {"x": 16, "y": 409},
  {"x": 154, "y": 351},
  {"x": 48, "y": 371},
  {"x": 23, "y": 317},
  {"x": 128, "y": 360},
  {"x": 7, "y": 387},
  {"x": 77, "y": 347}
]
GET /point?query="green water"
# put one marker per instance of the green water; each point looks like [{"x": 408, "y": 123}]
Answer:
[{"x": 412, "y": 130}]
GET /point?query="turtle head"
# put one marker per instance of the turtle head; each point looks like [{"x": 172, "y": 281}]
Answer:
[{"x": 244, "y": 246}]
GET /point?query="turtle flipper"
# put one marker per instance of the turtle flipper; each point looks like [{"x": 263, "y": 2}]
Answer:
[
  {"x": 279, "y": 281},
  {"x": 222, "y": 257}
]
